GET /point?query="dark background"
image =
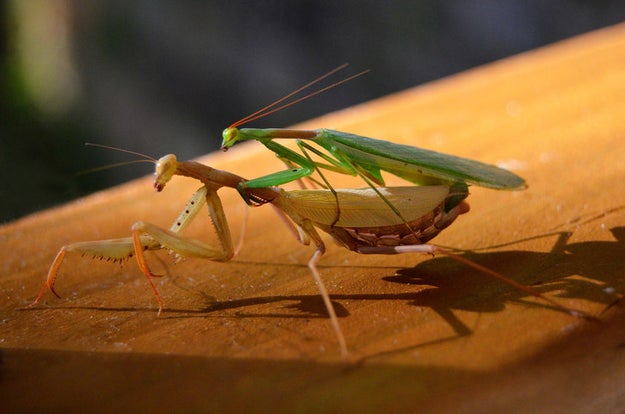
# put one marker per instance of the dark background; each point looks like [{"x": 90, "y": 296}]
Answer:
[{"x": 168, "y": 76}]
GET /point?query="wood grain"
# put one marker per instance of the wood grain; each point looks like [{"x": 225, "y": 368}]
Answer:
[{"x": 424, "y": 332}]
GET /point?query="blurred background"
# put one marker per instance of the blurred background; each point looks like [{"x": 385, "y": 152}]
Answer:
[{"x": 169, "y": 76}]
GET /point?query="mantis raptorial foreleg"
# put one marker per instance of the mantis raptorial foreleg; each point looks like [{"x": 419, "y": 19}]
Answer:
[
  {"x": 172, "y": 240},
  {"x": 146, "y": 236}
]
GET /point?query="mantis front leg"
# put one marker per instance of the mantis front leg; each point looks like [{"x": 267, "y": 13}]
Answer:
[
  {"x": 303, "y": 166},
  {"x": 147, "y": 236}
]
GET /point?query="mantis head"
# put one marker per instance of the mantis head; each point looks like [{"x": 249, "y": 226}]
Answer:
[
  {"x": 230, "y": 136},
  {"x": 165, "y": 169}
]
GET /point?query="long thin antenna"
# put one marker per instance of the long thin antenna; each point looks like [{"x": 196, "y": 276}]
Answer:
[
  {"x": 272, "y": 107},
  {"x": 147, "y": 157},
  {"x": 110, "y": 166}
]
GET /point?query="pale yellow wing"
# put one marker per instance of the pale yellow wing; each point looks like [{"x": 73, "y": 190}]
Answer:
[{"x": 363, "y": 207}]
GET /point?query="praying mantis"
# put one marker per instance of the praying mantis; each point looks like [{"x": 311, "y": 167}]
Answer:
[
  {"x": 364, "y": 225},
  {"x": 357, "y": 155},
  {"x": 371, "y": 220}
]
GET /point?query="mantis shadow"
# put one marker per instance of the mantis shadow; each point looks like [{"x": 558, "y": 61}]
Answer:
[
  {"x": 596, "y": 265},
  {"x": 449, "y": 285},
  {"x": 590, "y": 270}
]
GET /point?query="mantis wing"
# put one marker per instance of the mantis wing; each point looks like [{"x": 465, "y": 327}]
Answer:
[
  {"x": 416, "y": 165},
  {"x": 363, "y": 207}
]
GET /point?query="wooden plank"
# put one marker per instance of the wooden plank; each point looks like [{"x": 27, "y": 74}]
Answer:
[{"x": 429, "y": 333}]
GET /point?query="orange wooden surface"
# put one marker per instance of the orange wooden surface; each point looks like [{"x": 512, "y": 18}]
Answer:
[{"x": 423, "y": 332}]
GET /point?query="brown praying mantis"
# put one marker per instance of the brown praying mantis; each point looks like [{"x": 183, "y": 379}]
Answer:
[{"x": 359, "y": 219}]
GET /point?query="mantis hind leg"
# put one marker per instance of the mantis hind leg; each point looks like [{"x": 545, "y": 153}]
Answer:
[
  {"x": 311, "y": 233},
  {"x": 312, "y": 265}
]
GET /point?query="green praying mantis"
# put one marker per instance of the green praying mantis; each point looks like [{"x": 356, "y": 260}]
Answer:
[
  {"x": 361, "y": 156},
  {"x": 357, "y": 155},
  {"x": 370, "y": 220}
]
